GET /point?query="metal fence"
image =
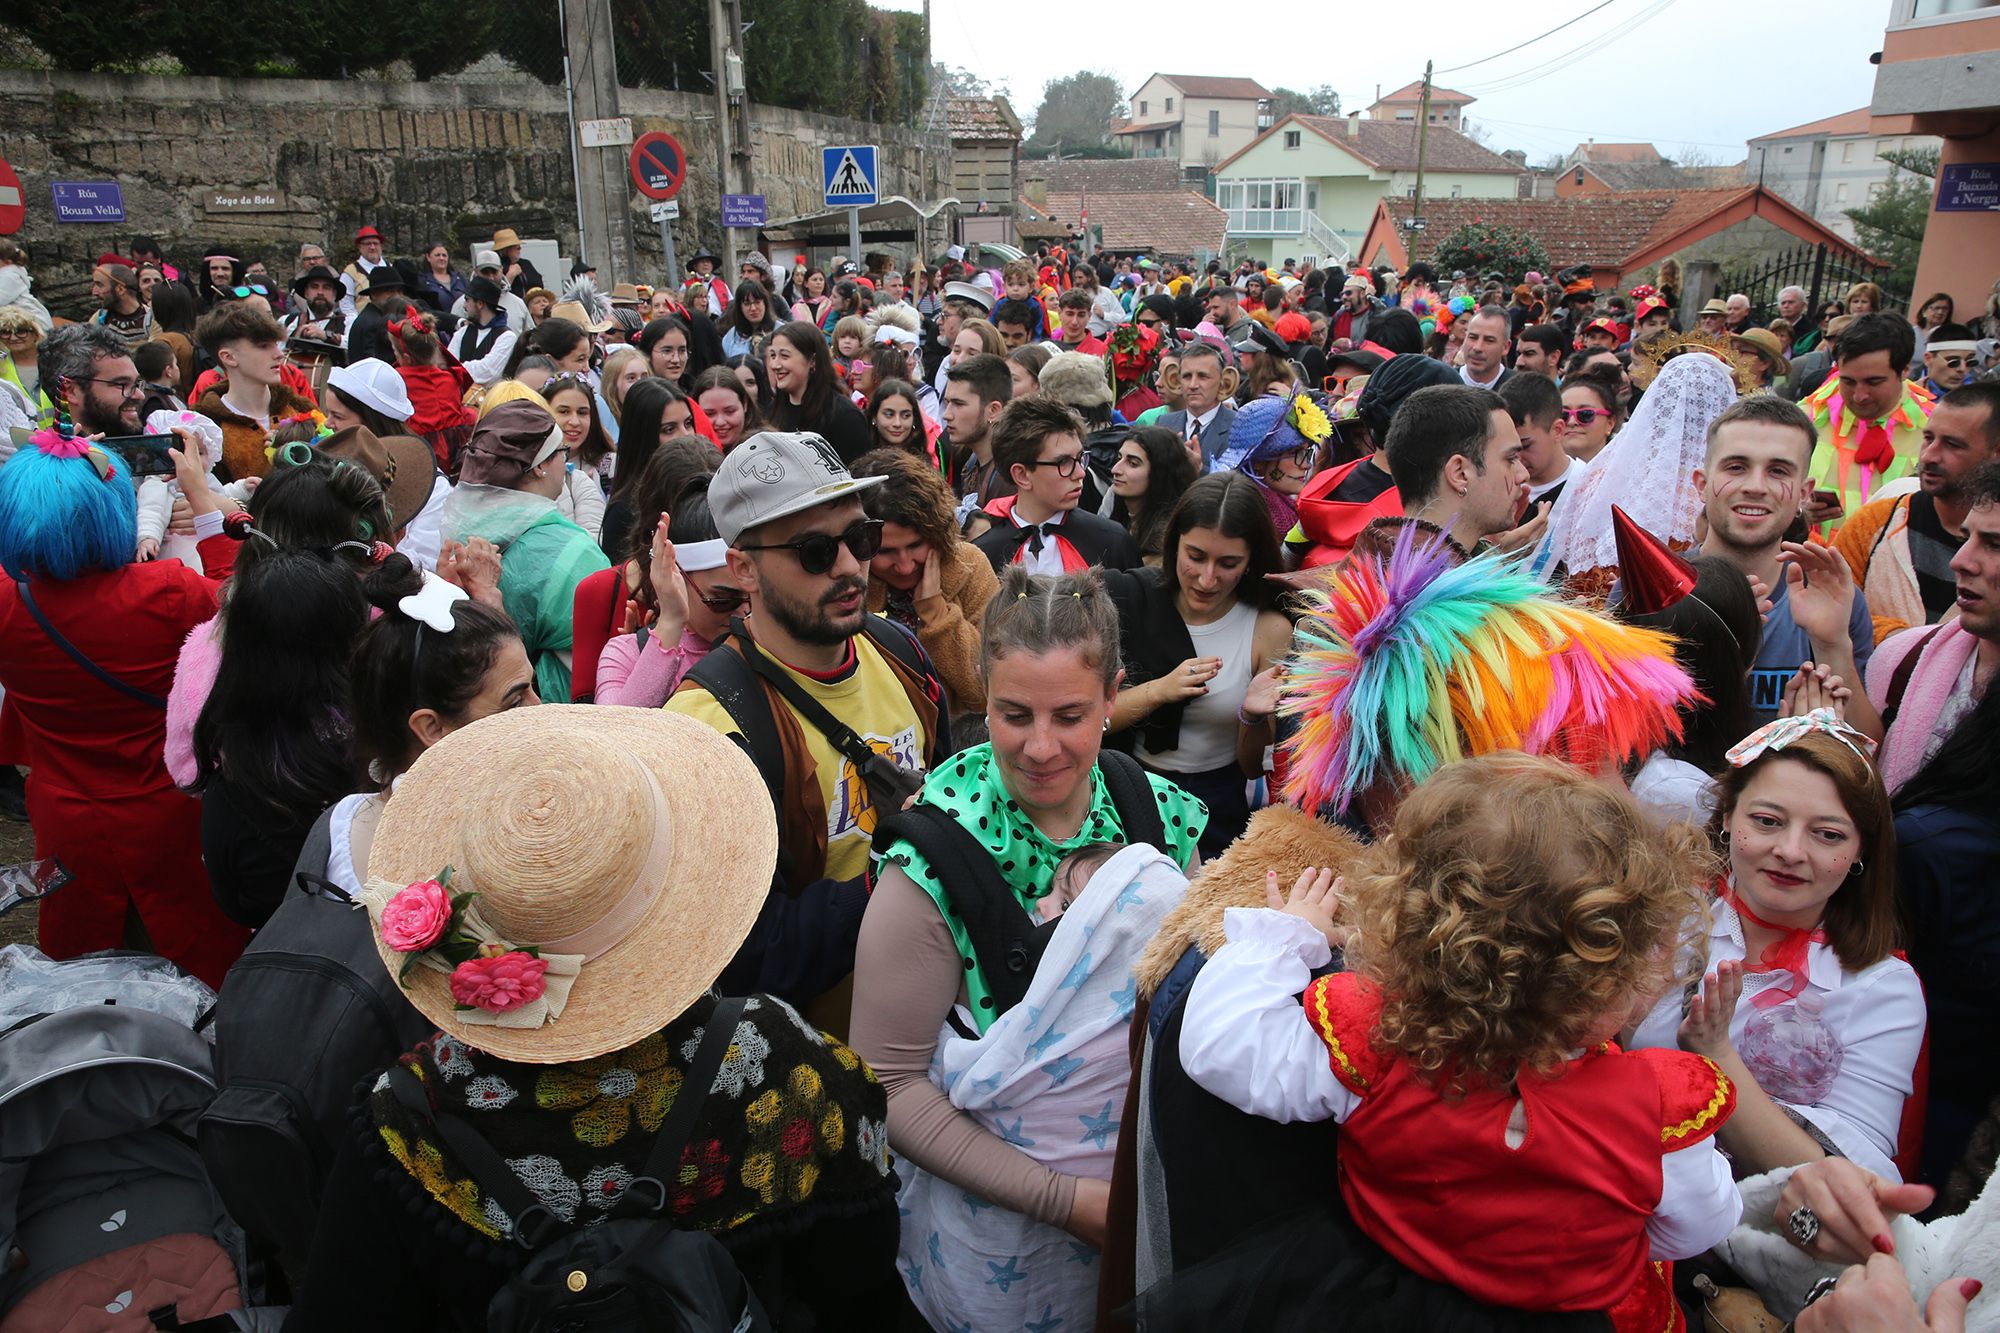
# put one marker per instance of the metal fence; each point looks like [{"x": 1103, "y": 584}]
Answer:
[{"x": 1824, "y": 271}]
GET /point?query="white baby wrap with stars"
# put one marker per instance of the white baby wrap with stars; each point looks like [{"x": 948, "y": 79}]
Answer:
[{"x": 1049, "y": 1077}]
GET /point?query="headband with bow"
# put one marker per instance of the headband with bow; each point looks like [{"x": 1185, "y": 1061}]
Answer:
[{"x": 1784, "y": 731}]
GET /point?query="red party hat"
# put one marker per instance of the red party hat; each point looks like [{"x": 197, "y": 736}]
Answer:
[{"x": 1651, "y": 576}]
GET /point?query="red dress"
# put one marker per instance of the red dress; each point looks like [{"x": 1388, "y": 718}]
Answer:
[
  {"x": 99, "y": 796},
  {"x": 1558, "y": 1223}
]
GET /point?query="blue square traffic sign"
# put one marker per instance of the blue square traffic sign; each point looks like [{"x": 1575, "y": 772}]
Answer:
[{"x": 849, "y": 175}]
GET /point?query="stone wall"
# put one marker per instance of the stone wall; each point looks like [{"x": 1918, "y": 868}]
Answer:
[{"x": 419, "y": 161}]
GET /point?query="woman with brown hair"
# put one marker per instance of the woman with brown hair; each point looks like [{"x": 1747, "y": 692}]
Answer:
[
  {"x": 924, "y": 576},
  {"x": 731, "y": 407},
  {"x": 1864, "y": 298},
  {"x": 1805, "y": 1007},
  {"x": 810, "y": 396}
]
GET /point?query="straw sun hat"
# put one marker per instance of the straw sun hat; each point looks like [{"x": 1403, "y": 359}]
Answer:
[{"x": 619, "y": 837}]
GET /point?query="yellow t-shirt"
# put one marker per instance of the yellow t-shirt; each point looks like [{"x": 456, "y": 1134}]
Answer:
[
  {"x": 1179, "y": 286},
  {"x": 871, "y": 699}
]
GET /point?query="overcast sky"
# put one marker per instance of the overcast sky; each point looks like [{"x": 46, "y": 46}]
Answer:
[{"x": 1705, "y": 74}]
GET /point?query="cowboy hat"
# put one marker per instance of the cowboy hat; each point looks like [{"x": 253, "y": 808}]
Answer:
[
  {"x": 619, "y": 849},
  {"x": 574, "y": 312},
  {"x": 317, "y": 273},
  {"x": 506, "y": 238},
  {"x": 402, "y": 463},
  {"x": 624, "y": 293},
  {"x": 1763, "y": 344},
  {"x": 385, "y": 279}
]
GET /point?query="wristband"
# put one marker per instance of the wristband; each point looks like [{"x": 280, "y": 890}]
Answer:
[
  {"x": 1244, "y": 719},
  {"x": 207, "y": 524}
]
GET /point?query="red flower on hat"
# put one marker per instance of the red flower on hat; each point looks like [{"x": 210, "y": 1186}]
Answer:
[
  {"x": 416, "y": 918},
  {"x": 500, "y": 984}
]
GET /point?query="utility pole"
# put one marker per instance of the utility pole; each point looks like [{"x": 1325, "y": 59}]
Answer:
[
  {"x": 732, "y": 111},
  {"x": 1423, "y": 136}
]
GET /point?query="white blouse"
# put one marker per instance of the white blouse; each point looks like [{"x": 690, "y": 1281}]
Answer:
[
  {"x": 1245, "y": 1038},
  {"x": 1841, "y": 1053}
]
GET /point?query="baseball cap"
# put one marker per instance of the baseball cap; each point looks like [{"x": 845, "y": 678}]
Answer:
[
  {"x": 482, "y": 259},
  {"x": 775, "y": 474}
]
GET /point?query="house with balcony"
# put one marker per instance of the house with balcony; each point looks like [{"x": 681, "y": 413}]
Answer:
[
  {"x": 1310, "y": 184},
  {"x": 1830, "y": 165},
  {"x": 1939, "y": 75},
  {"x": 1194, "y": 119},
  {"x": 1406, "y": 103}
]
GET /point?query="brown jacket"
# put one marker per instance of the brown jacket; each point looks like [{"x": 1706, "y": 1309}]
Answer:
[
  {"x": 950, "y": 622},
  {"x": 243, "y": 440}
]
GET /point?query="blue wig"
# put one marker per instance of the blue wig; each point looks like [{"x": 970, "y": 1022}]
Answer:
[{"x": 60, "y": 518}]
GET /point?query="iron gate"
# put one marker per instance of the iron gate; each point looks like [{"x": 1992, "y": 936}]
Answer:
[{"x": 1822, "y": 270}]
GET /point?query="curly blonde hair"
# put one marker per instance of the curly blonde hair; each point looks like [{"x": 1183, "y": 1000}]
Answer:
[{"x": 1516, "y": 903}]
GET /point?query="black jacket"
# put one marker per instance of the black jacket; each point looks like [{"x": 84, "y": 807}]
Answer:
[
  {"x": 1152, "y": 641},
  {"x": 1102, "y": 543}
]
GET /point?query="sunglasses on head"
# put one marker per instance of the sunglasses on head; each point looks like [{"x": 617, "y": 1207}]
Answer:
[
  {"x": 816, "y": 551},
  {"x": 1583, "y": 416}
]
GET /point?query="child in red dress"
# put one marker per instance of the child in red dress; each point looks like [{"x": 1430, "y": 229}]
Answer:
[{"x": 1493, "y": 1135}]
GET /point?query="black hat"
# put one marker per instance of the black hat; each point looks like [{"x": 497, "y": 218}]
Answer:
[
  {"x": 701, "y": 254},
  {"x": 1261, "y": 339},
  {"x": 1389, "y": 385},
  {"x": 483, "y": 290},
  {"x": 317, "y": 273},
  {"x": 385, "y": 279},
  {"x": 580, "y": 267},
  {"x": 1360, "y": 358}
]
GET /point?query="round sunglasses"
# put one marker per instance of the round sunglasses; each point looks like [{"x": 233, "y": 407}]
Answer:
[{"x": 816, "y": 551}]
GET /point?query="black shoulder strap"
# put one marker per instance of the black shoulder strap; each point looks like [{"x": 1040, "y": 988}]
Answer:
[
  {"x": 841, "y": 736},
  {"x": 1132, "y": 796},
  {"x": 75, "y": 654},
  {"x": 1006, "y": 942},
  {"x": 727, "y": 677},
  {"x": 663, "y": 1163},
  {"x": 1899, "y": 679},
  {"x": 902, "y": 645}
]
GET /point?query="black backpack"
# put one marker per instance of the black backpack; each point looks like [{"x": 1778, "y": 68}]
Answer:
[
  {"x": 305, "y": 1014},
  {"x": 1006, "y": 941},
  {"x": 635, "y": 1270}
]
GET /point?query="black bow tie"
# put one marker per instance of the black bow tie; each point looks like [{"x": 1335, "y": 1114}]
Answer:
[{"x": 1031, "y": 535}]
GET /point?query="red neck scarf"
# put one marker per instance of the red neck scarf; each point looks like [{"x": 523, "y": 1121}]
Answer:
[{"x": 1787, "y": 954}]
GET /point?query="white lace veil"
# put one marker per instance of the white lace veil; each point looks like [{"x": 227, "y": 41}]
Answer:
[{"x": 1648, "y": 468}]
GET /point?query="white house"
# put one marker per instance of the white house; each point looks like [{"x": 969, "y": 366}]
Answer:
[
  {"x": 1828, "y": 166},
  {"x": 1195, "y": 119},
  {"x": 1310, "y": 184}
]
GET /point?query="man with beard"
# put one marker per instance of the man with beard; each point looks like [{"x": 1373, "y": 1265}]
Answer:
[
  {"x": 1900, "y": 547},
  {"x": 115, "y": 288},
  {"x": 91, "y": 368},
  {"x": 810, "y": 660},
  {"x": 316, "y": 315},
  {"x": 1753, "y": 483}
]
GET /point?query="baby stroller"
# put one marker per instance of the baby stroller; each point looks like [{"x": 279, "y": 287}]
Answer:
[{"x": 108, "y": 1220}]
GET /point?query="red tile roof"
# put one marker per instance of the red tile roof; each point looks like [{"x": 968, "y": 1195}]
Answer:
[
  {"x": 1391, "y": 145},
  {"x": 1663, "y": 176},
  {"x": 1414, "y": 92},
  {"x": 1616, "y": 154},
  {"x": 1171, "y": 222},
  {"x": 1840, "y": 126},
  {"x": 1202, "y": 85},
  {"x": 1125, "y": 175}
]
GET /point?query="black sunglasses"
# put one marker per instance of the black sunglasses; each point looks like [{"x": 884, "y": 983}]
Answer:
[
  {"x": 816, "y": 551},
  {"x": 722, "y": 603}
]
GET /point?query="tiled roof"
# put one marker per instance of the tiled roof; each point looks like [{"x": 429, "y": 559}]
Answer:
[
  {"x": 1142, "y": 126},
  {"x": 981, "y": 118},
  {"x": 1169, "y": 221},
  {"x": 1610, "y": 154},
  {"x": 1113, "y": 175},
  {"x": 1664, "y": 176},
  {"x": 1832, "y": 127},
  {"x": 1201, "y": 85},
  {"x": 1598, "y": 229},
  {"x": 1391, "y": 145},
  {"x": 1414, "y": 91}
]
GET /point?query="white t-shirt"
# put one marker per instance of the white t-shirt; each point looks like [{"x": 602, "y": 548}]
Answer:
[{"x": 1535, "y": 492}]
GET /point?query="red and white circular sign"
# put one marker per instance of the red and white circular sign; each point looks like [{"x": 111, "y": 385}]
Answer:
[{"x": 13, "y": 209}]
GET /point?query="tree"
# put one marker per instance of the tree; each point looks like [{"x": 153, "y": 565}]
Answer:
[
  {"x": 1320, "y": 100},
  {"x": 1891, "y": 225},
  {"x": 958, "y": 81},
  {"x": 1490, "y": 247},
  {"x": 1077, "y": 112}
]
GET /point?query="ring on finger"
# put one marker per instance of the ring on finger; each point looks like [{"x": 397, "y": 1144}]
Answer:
[
  {"x": 1803, "y": 1224},
  {"x": 1819, "y": 1289}
]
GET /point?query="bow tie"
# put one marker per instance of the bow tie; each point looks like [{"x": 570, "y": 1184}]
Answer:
[{"x": 1032, "y": 533}]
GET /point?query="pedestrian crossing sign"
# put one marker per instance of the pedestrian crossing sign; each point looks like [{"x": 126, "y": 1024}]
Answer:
[{"x": 849, "y": 175}]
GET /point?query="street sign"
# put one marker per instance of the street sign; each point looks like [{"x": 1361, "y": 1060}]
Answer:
[
  {"x": 665, "y": 211},
  {"x": 1969, "y": 187},
  {"x": 12, "y": 205},
  {"x": 88, "y": 201},
  {"x": 743, "y": 210},
  {"x": 248, "y": 201},
  {"x": 659, "y": 165},
  {"x": 612, "y": 132},
  {"x": 849, "y": 175}
]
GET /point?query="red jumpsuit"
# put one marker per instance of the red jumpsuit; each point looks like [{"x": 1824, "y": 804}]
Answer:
[{"x": 99, "y": 796}]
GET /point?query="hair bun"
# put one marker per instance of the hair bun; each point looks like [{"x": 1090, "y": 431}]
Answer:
[{"x": 390, "y": 582}]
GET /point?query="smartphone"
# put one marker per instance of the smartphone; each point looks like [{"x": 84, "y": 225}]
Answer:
[
  {"x": 146, "y": 455},
  {"x": 1821, "y": 497}
]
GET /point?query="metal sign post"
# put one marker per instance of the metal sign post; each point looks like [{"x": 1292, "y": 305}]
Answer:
[
  {"x": 664, "y": 213},
  {"x": 854, "y": 234},
  {"x": 848, "y": 173}
]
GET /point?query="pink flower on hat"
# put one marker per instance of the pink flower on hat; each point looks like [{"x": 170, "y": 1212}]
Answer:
[
  {"x": 498, "y": 985},
  {"x": 416, "y": 918}
]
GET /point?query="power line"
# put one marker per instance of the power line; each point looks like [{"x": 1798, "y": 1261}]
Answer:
[
  {"x": 1623, "y": 134},
  {"x": 1532, "y": 73},
  {"x": 1532, "y": 40}
]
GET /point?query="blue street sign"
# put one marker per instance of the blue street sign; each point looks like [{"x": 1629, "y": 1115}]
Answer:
[
  {"x": 849, "y": 174},
  {"x": 1969, "y": 187},
  {"x": 88, "y": 201},
  {"x": 743, "y": 210}
]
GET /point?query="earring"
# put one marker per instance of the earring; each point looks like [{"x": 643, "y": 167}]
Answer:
[
  {"x": 1107, "y": 724},
  {"x": 1856, "y": 868},
  {"x": 1725, "y": 837}
]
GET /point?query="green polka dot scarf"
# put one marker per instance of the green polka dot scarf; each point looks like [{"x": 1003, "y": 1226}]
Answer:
[{"x": 968, "y": 787}]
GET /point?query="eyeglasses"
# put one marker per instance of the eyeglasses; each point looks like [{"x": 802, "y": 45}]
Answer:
[
  {"x": 1951, "y": 362},
  {"x": 1303, "y": 457},
  {"x": 1583, "y": 416},
  {"x": 13, "y": 335},
  {"x": 1066, "y": 466},
  {"x": 722, "y": 603},
  {"x": 816, "y": 551},
  {"x": 132, "y": 388},
  {"x": 257, "y": 287}
]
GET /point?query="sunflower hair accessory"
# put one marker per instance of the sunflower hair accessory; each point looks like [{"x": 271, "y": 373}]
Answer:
[{"x": 1309, "y": 419}]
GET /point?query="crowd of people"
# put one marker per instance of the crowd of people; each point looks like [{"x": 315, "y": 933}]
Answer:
[{"x": 1079, "y": 790}]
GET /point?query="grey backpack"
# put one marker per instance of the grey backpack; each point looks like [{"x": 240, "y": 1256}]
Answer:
[{"x": 306, "y": 1014}]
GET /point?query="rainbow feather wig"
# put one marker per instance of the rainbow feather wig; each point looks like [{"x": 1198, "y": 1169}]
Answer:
[{"x": 1405, "y": 665}]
